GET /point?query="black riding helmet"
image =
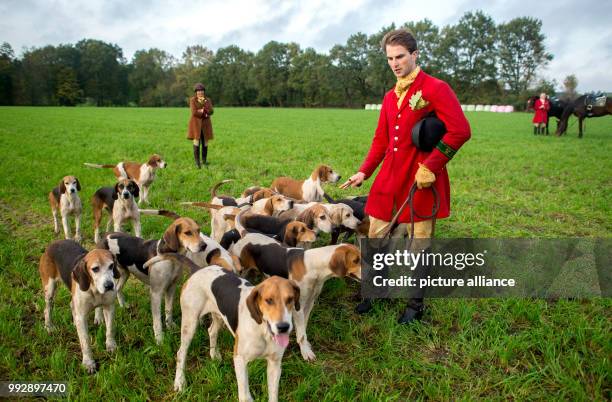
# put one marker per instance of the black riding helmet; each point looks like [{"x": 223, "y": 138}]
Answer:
[{"x": 427, "y": 132}]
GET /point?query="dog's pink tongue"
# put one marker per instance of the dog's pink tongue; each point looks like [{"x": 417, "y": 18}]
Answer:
[{"x": 282, "y": 340}]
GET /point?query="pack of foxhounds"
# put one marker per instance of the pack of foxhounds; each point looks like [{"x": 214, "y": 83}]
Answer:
[{"x": 270, "y": 230}]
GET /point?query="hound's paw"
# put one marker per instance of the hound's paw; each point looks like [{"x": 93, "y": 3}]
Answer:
[
  {"x": 50, "y": 328},
  {"x": 179, "y": 384},
  {"x": 170, "y": 324},
  {"x": 78, "y": 238},
  {"x": 159, "y": 339},
  {"x": 98, "y": 319},
  {"x": 307, "y": 352},
  {"x": 214, "y": 354},
  {"x": 90, "y": 366},
  {"x": 111, "y": 347}
]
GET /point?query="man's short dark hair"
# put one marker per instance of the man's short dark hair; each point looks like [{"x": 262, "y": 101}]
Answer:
[{"x": 401, "y": 37}]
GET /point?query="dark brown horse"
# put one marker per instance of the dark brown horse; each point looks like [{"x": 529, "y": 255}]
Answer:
[
  {"x": 556, "y": 108},
  {"x": 581, "y": 109}
]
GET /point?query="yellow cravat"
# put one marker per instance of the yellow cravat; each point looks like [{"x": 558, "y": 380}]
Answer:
[{"x": 403, "y": 85}]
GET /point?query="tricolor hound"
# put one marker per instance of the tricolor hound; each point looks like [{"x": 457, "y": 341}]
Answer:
[
  {"x": 90, "y": 277},
  {"x": 259, "y": 318},
  {"x": 310, "y": 269}
]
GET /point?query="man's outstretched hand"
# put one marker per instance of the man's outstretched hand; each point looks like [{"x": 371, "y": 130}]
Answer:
[{"x": 354, "y": 181}]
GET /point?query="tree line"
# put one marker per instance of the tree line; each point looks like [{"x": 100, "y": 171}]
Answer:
[{"x": 483, "y": 61}]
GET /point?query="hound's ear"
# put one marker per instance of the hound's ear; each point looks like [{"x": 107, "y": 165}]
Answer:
[
  {"x": 308, "y": 218},
  {"x": 80, "y": 274},
  {"x": 322, "y": 173},
  {"x": 291, "y": 235},
  {"x": 62, "y": 187},
  {"x": 252, "y": 303},
  {"x": 229, "y": 217},
  {"x": 116, "y": 273},
  {"x": 152, "y": 161},
  {"x": 78, "y": 185},
  {"x": 170, "y": 241},
  {"x": 136, "y": 189},
  {"x": 296, "y": 291},
  {"x": 269, "y": 207},
  {"x": 337, "y": 263},
  {"x": 116, "y": 192}
]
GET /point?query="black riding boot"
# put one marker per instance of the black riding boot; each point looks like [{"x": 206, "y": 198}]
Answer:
[
  {"x": 364, "y": 307},
  {"x": 535, "y": 130},
  {"x": 413, "y": 312},
  {"x": 196, "y": 155},
  {"x": 415, "y": 306},
  {"x": 204, "y": 154}
]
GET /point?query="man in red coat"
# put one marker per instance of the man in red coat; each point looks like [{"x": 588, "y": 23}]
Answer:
[
  {"x": 540, "y": 119},
  {"x": 415, "y": 95}
]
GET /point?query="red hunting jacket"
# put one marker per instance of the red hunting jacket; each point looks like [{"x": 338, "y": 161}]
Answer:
[
  {"x": 393, "y": 146},
  {"x": 541, "y": 114}
]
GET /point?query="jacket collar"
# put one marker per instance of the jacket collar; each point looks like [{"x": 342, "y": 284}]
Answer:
[{"x": 417, "y": 84}]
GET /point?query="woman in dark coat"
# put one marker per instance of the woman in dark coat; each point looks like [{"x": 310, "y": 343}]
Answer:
[{"x": 200, "y": 127}]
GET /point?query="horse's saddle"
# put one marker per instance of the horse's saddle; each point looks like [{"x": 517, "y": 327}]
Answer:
[{"x": 593, "y": 99}]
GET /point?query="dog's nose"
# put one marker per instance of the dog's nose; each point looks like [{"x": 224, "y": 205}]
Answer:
[
  {"x": 202, "y": 246},
  {"x": 126, "y": 195},
  {"x": 109, "y": 286},
  {"x": 283, "y": 327},
  {"x": 290, "y": 204},
  {"x": 339, "y": 177},
  {"x": 72, "y": 190}
]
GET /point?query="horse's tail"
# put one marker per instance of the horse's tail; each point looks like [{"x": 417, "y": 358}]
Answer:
[{"x": 567, "y": 112}]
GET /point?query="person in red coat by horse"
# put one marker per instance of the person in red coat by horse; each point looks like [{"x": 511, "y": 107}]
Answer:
[
  {"x": 541, "y": 107},
  {"x": 415, "y": 96}
]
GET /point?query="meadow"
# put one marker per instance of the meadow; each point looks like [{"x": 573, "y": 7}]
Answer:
[{"x": 505, "y": 181}]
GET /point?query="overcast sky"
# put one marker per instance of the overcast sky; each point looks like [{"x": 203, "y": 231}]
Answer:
[{"x": 578, "y": 34}]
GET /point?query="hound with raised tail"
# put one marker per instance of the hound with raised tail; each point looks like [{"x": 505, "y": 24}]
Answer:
[
  {"x": 259, "y": 318},
  {"x": 309, "y": 269},
  {"x": 133, "y": 252},
  {"x": 142, "y": 173},
  {"x": 65, "y": 198},
  {"x": 90, "y": 277},
  {"x": 306, "y": 190}
]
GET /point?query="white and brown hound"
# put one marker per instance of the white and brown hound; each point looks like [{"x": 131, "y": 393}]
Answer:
[
  {"x": 306, "y": 190},
  {"x": 310, "y": 269},
  {"x": 162, "y": 277},
  {"x": 315, "y": 215},
  {"x": 142, "y": 173},
  {"x": 90, "y": 277},
  {"x": 65, "y": 198},
  {"x": 259, "y": 318}
]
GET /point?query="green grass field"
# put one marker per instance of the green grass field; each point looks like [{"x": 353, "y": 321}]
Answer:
[{"x": 505, "y": 181}]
